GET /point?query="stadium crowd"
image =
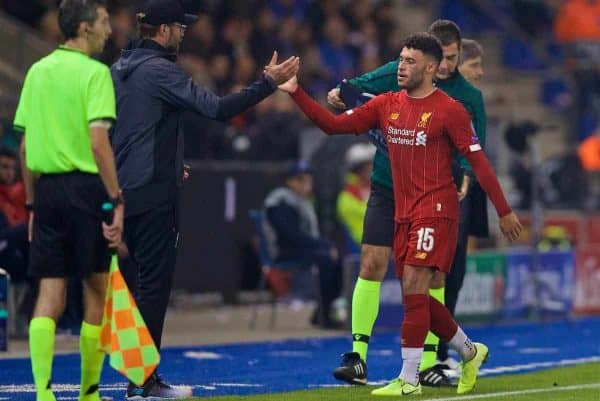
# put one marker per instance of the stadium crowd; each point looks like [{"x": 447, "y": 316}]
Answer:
[
  {"x": 231, "y": 43},
  {"x": 336, "y": 39}
]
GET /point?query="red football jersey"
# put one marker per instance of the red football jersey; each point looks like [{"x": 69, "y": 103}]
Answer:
[{"x": 421, "y": 134}]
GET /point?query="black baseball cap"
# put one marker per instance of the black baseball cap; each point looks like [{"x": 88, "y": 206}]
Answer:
[{"x": 157, "y": 12}]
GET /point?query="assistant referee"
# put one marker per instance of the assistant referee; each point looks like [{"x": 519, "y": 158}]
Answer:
[{"x": 66, "y": 107}]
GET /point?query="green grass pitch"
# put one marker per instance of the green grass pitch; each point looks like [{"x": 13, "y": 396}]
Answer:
[{"x": 576, "y": 383}]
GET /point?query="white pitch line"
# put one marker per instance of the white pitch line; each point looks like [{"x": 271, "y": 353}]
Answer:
[
  {"x": 59, "y": 388},
  {"x": 203, "y": 387},
  {"x": 521, "y": 392},
  {"x": 237, "y": 385},
  {"x": 499, "y": 369},
  {"x": 535, "y": 365},
  {"x": 72, "y": 388}
]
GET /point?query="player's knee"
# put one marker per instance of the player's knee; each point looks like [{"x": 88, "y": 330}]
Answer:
[
  {"x": 416, "y": 280},
  {"x": 438, "y": 280},
  {"x": 410, "y": 285}
]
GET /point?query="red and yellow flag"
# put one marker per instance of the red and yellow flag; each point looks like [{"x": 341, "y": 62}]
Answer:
[{"x": 125, "y": 337}]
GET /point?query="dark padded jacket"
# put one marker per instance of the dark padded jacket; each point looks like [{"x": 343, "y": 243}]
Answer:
[{"x": 152, "y": 92}]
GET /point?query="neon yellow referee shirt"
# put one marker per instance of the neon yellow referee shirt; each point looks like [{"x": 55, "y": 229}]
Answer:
[{"x": 63, "y": 94}]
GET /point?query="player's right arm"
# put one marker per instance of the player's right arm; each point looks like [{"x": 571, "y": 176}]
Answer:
[
  {"x": 380, "y": 80},
  {"x": 354, "y": 121}
]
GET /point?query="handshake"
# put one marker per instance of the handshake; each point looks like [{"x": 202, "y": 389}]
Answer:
[{"x": 284, "y": 74}]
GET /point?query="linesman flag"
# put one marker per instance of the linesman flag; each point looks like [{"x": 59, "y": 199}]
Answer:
[{"x": 125, "y": 336}]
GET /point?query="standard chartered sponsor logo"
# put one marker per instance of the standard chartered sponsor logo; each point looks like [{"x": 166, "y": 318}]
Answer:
[
  {"x": 400, "y": 141},
  {"x": 408, "y": 137},
  {"x": 401, "y": 132}
]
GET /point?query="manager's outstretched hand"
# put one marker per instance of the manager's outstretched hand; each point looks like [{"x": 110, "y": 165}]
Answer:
[
  {"x": 290, "y": 86},
  {"x": 280, "y": 73}
]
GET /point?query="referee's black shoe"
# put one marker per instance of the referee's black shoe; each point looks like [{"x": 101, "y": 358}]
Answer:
[
  {"x": 435, "y": 377},
  {"x": 352, "y": 370}
]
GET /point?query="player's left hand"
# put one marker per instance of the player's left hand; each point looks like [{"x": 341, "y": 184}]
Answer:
[{"x": 511, "y": 226}]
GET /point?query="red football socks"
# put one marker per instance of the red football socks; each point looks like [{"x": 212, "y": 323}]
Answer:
[
  {"x": 416, "y": 320},
  {"x": 442, "y": 323}
]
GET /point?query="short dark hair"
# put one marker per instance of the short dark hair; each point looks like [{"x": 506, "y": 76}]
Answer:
[
  {"x": 470, "y": 49},
  {"x": 5, "y": 152},
  {"x": 147, "y": 30},
  {"x": 425, "y": 42},
  {"x": 71, "y": 13},
  {"x": 446, "y": 31}
]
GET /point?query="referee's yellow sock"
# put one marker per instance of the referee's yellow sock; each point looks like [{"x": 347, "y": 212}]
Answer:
[
  {"x": 91, "y": 362},
  {"x": 41, "y": 350}
]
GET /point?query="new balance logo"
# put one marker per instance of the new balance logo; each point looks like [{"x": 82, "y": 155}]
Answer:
[{"x": 421, "y": 139}]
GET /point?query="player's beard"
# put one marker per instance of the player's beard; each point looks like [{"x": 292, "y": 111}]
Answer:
[{"x": 415, "y": 81}]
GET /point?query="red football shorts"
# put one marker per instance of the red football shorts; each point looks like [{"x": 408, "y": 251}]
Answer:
[{"x": 427, "y": 242}]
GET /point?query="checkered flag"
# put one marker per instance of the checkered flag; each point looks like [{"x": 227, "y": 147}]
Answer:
[{"x": 125, "y": 337}]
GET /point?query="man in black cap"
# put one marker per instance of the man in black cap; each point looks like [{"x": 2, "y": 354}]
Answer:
[{"x": 152, "y": 92}]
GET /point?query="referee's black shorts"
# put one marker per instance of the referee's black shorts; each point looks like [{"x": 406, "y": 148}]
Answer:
[
  {"x": 378, "y": 226},
  {"x": 67, "y": 226}
]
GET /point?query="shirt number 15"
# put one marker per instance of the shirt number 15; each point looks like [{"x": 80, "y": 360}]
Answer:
[{"x": 425, "y": 241}]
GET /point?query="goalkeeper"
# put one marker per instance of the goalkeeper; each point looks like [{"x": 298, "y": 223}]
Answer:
[
  {"x": 379, "y": 219},
  {"x": 66, "y": 107}
]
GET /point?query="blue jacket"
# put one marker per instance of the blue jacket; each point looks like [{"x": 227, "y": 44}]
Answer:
[{"x": 152, "y": 92}]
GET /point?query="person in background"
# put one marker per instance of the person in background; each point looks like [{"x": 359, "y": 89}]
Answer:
[
  {"x": 352, "y": 201},
  {"x": 12, "y": 190},
  {"x": 292, "y": 234},
  {"x": 471, "y": 62},
  {"x": 14, "y": 245},
  {"x": 589, "y": 156},
  {"x": 473, "y": 217}
]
